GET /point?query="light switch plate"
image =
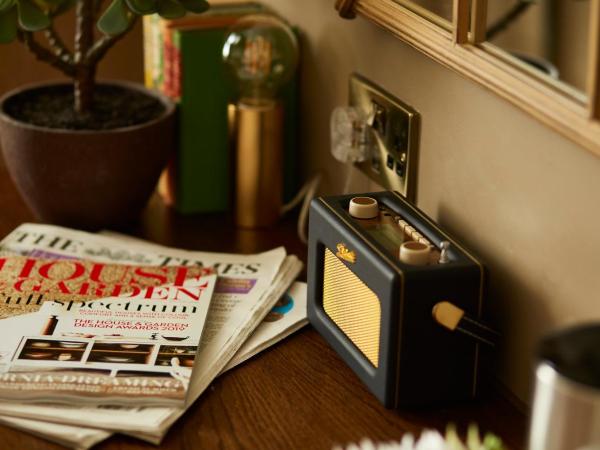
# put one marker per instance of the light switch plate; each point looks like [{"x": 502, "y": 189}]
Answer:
[{"x": 396, "y": 127}]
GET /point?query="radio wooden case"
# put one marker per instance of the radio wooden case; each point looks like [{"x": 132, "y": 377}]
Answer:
[{"x": 376, "y": 310}]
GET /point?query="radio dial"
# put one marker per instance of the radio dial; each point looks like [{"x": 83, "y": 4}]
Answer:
[
  {"x": 414, "y": 253},
  {"x": 363, "y": 208}
]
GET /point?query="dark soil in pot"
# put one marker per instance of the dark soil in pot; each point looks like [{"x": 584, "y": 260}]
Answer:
[
  {"x": 113, "y": 107},
  {"x": 86, "y": 178}
]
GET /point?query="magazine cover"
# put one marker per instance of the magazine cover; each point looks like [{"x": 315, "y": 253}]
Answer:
[{"x": 137, "y": 350}]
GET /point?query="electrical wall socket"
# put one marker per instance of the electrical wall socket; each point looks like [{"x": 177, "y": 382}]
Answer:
[{"x": 396, "y": 127}]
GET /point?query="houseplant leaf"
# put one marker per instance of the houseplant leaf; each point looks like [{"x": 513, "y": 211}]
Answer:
[
  {"x": 115, "y": 19},
  {"x": 6, "y": 5},
  {"x": 169, "y": 9},
  {"x": 8, "y": 25},
  {"x": 143, "y": 7},
  {"x": 195, "y": 6},
  {"x": 31, "y": 17}
]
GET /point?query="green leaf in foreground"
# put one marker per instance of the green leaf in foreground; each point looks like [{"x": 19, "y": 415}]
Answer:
[
  {"x": 115, "y": 19},
  {"x": 31, "y": 17},
  {"x": 169, "y": 9},
  {"x": 195, "y": 6},
  {"x": 143, "y": 7},
  {"x": 6, "y": 5}
]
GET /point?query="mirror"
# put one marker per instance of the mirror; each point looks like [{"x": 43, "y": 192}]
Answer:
[
  {"x": 541, "y": 55},
  {"x": 549, "y": 35}
]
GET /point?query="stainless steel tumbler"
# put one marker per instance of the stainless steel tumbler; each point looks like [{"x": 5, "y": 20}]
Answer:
[{"x": 566, "y": 404}]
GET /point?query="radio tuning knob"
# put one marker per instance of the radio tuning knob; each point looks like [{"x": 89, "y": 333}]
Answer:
[
  {"x": 363, "y": 208},
  {"x": 414, "y": 253},
  {"x": 444, "y": 258}
]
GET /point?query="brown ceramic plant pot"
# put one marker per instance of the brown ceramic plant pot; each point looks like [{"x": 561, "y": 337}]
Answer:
[{"x": 82, "y": 178}]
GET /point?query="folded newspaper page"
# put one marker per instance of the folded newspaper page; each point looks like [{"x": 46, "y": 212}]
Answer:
[
  {"x": 77, "y": 438},
  {"x": 136, "y": 350},
  {"x": 232, "y": 321},
  {"x": 287, "y": 316}
]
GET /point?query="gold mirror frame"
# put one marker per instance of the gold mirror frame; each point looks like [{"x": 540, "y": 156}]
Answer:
[{"x": 464, "y": 50}]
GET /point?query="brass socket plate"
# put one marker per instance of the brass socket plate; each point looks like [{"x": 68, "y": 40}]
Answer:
[{"x": 396, "y": 133}]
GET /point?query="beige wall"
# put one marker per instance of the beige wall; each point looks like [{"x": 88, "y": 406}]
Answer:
[{"x": 519, "y": 194}]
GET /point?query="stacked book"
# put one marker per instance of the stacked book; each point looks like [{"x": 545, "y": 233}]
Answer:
[
  {"x": 183, "y": 59},
  {"x": 109, "y": 330}
]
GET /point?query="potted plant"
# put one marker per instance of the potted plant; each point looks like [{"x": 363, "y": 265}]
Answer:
[{"x": 89, "y": 153}]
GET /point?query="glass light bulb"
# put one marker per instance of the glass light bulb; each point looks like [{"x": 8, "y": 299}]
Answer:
[{"x": 262, "y": 53}]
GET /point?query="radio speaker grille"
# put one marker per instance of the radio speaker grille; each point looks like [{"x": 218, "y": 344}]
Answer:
[{"x": 352, "y": 306}]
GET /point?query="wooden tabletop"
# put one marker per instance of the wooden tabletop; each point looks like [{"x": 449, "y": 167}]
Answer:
[{"x": 295, "y": 395}]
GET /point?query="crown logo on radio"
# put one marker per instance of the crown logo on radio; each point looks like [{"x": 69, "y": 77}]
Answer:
[{"x": 345, "y": 254}]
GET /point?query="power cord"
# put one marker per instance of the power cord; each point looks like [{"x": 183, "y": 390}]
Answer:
[{"x": 306, "y": 193}]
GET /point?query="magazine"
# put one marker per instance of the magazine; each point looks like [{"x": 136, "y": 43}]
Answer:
[
  {"x": 232, "y": 323},
  {"x": 138, "y": 350}
]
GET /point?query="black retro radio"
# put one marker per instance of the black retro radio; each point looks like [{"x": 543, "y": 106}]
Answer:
[{"x": 396, "y": 297}]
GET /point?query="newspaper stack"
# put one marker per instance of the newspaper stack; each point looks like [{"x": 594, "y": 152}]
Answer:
[{"x": 246, "y": 316}]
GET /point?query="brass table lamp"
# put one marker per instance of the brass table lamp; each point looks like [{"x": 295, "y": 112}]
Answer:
[{"x": 262, "y": 53}]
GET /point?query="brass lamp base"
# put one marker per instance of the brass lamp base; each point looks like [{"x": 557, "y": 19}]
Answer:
[{"x": 257, "y": 131}]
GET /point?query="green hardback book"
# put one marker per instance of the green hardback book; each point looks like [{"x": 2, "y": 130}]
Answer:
[{"x": 189, "y": 68}]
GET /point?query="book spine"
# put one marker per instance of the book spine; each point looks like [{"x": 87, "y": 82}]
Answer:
[
  {"x": 171, "y": 73},
  {"x": 176, "y": 66},
  {"x": 153, "y": 52},
  {"x": 167, "y": 59},
  {"x": 148, "y": 52}
]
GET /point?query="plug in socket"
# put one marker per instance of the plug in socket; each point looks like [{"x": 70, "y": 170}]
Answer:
[{"x": 396, "y": 128}]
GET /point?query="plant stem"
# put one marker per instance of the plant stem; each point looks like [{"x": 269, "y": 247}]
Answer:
[
  {"x": 105, "y": 43},
  {"x": 45, "y": 55},
  {"x": 57, "y": 45},
  {"x": 85, "y": 70}
]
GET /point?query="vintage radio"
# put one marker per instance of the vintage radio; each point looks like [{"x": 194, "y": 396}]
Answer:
[{"x": 396, "y": 297}]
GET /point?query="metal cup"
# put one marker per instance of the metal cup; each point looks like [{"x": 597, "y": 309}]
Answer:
[{"x": 566, "y": 406}]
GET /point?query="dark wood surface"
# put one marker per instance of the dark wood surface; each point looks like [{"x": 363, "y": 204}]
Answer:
[{"x": 296, "y": 395}]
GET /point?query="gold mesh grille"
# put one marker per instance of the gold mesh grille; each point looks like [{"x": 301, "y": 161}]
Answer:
[{"x": 352, "y": 306}]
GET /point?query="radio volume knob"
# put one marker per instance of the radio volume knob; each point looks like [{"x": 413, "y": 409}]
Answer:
[
  {"x": 415, "y": 253},
  {"x": 363, "y": 208}
]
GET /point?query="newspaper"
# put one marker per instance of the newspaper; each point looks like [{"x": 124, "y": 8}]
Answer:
[
  {"x": 286, "y": 317},
  {"x": 78, "y": 438},
  {"x": 261, "y": 280}
]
